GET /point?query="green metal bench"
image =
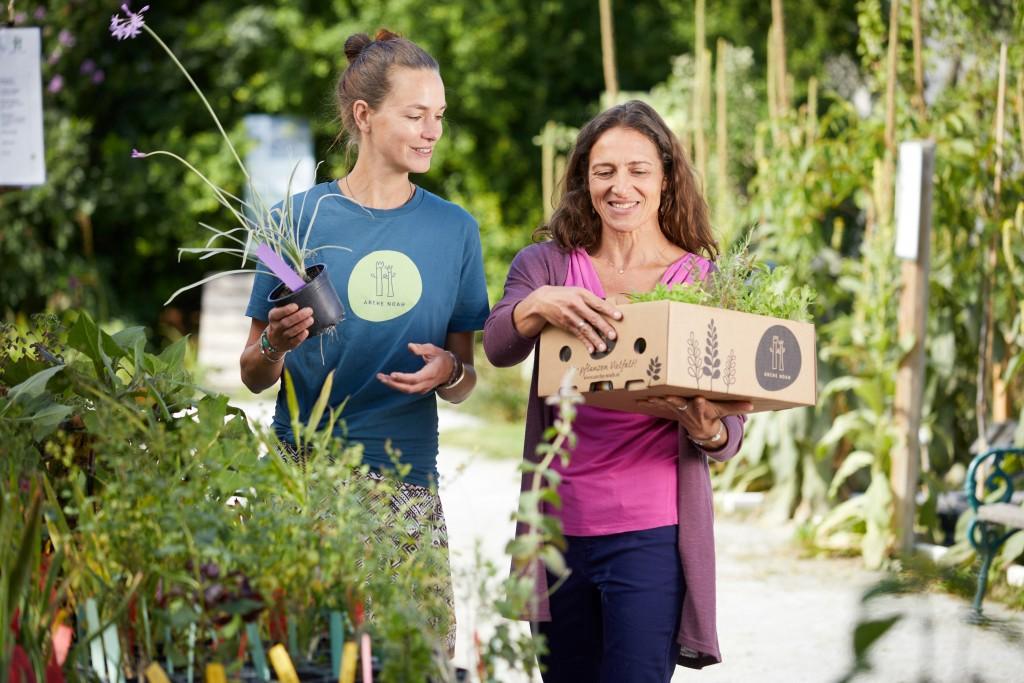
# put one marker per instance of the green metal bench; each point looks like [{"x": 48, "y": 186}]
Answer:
[{"x": 996, "y": 516}]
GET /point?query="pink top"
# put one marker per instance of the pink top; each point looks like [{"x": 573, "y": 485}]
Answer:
[{"x": 622, "y": 474}]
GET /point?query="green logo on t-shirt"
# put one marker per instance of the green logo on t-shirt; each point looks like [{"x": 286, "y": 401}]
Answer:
[{"x": 383, "y": 286}]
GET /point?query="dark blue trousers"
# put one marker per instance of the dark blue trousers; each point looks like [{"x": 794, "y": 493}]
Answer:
[{"x": 615, "y": 618}]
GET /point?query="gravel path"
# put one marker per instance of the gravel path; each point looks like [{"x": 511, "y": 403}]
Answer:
[{"x": 780, "y": 618}]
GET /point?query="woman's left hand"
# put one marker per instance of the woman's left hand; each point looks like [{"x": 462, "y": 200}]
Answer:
[
  {"x": 436, "y": 370},
  {"x": 700, "y": 417}
]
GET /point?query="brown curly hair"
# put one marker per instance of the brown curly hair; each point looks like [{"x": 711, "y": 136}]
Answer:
[{"x": 683, "y": 213}]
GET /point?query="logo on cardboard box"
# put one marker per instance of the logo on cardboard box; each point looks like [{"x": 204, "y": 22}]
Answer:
[{"x": 777, "y": 364}]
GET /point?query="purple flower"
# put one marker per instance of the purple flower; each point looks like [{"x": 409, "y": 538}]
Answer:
[
  {"x": 56, "y": 84},
  {"x": 40, "y": 13},
  {"x": 136, "y": 154},
  {"x": 98, "y": 77},
  {"x": 19, "y": 18},
  {"x": 129, "y": 27},
  {"x": 88, "y": 66},
  {"x": 54, "y": 56},
  {"x": 66, "y": 38}
]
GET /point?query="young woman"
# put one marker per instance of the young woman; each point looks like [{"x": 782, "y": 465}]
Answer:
[
  {"x": 412, "y": 284},
  {"x": 636, "y": 495}
]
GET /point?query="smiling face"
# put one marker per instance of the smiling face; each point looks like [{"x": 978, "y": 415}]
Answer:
[
  {"x": 408, "y": 123},
  {"x": 625, "y": 179}
]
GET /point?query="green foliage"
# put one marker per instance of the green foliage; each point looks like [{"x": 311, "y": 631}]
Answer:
[{"x": 184, "y": 525}]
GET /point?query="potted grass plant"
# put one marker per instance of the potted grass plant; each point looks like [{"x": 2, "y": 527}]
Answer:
[{"x": 266, "y": 233}]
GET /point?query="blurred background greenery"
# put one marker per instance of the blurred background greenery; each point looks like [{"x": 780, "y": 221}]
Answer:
[{"x": 103, "y": 232}]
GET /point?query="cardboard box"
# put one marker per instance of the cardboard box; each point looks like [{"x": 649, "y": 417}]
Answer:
[{"x": 671, "y": 348}]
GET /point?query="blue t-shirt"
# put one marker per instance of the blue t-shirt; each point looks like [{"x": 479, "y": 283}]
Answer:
[{"x": 414, "y": 274}]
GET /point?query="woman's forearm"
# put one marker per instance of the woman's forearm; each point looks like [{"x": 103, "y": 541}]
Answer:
[
  {"x": 525, "y": 317},
  {"x": 258, "y": 371}
]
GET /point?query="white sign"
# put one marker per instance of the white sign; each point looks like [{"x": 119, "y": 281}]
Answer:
[
  {"x": 21, "y": 108},
  {"x": 908, "y": 199}
]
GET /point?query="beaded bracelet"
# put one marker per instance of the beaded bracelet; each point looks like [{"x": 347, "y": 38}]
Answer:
[
  {"x": 458, "y": 372},
  {"x": 267, "y": 349}
]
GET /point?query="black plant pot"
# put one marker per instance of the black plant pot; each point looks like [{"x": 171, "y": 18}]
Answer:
[{"x": 318, "y": 294}]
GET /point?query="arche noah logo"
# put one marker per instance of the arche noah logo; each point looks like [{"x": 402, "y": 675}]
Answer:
[
  {"x": 777, "y": 364},
  {"x": 384, "y": 285}
]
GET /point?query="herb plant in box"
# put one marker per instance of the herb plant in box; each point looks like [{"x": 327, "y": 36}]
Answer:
[{"x": 738, "y": 334}]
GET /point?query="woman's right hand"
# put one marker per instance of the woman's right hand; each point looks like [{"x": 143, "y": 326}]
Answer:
[
  {"x": 288, "y": 326},
  {"x": 576, "y": 310}
]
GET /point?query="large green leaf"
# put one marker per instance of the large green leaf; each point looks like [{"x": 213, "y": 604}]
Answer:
[
  {"x": 855, "y": 461},
  {"x": 34, "y": 386},
  {"x": 318, "y": 408},
  {"x": 878, "y": 518},
  {"x": 98, "y": 346}
]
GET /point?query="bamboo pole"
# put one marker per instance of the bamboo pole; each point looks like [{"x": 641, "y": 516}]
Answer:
[
  {"x": 705, "y": 107},
  {"x": 778, "y": 20},
  {"x": 811, "y": 131},
  {"x": 1000, "y": 122},
  {"x": 1000, "y": 390},
  {"x": 722, "y": 137},
  {"x": 918, "y": 60},
  {"x": 985, "y": 365},
  {"x": 547, "y": 169},
  {"x": 773, "y": 104},
  {"x": 611, "y": 82},
  {"x": 891, "y": 74},
  {"x": 1019, "y": 102},
  {"x": 559, "y": 179},
  {"x": 700, "y": 150},
  {"x": 884, "y": 194}
]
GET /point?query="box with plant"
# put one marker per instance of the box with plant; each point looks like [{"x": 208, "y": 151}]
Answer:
[{"x": 740, "y": 333}]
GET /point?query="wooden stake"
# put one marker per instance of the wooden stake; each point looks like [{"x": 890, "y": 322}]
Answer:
[
  {"x": 722, "y": 137},
  {"x": 1000, "y": 390},
  {"x": 917, "y": 162},
  {"x": 891, "y": 75},
  {"x": 812, "y": 110},
  {"x": 918, "y": 60},
  {"x": 779, "y": 22},
  {"x": 1019, "y": 102},
  {"x": 773, "y": 101},
  {"x": 700, "y": 150},
  {"x": 985, "y": 338},
  {"x": 1000, "y": 122},
  {"x": 547, "y": 169},
  {"x": 884, "y": 194},
  {"x": 611, "y": 82}
]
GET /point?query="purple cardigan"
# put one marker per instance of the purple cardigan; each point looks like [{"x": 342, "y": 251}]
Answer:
[{"x": 545, "y": 264}]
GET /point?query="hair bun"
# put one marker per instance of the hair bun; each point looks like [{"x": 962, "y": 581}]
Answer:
[
  {"x": 355, "y": 44},
  {"x": 384, "y": 34}
]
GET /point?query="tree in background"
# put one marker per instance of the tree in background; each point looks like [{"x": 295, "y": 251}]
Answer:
[{"x": 102, "y": 233}]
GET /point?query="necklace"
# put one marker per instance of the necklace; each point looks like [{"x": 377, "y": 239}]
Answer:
[
  {"x": 352, "y": 195},
  {"x": 619, "y": 270}
]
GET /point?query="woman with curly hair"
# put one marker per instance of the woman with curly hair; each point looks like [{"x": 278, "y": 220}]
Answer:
[{"x": 636, "y": 494}]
